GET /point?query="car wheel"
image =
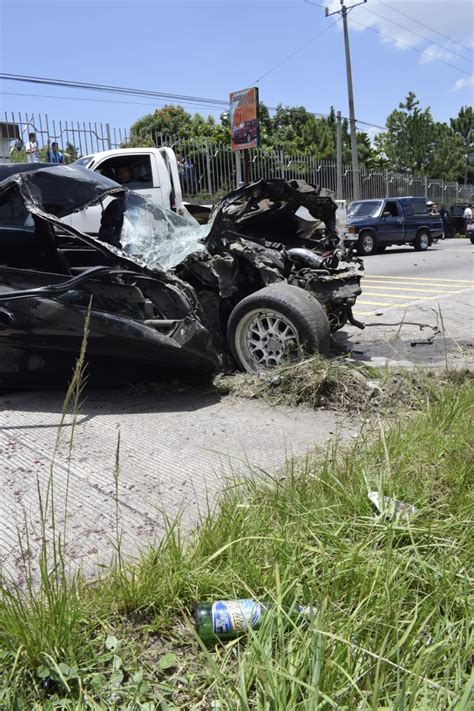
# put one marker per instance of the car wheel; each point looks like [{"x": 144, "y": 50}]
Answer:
[
  {"x": 422, "y": 241},
  {"x": 276, "y": 326},
  {"x": 366, "y": 244},
  {"x": 472, "y": 239}
]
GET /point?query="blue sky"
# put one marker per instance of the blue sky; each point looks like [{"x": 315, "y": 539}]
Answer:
[{"x": 207, "y": 49}]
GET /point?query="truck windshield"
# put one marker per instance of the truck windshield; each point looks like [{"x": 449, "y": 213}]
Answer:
[{"x": 364, "y": 208}]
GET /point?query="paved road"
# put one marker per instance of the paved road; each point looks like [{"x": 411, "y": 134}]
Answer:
[
  {"x": 177, "y": 447},
  {"x": 434, "y": 289}
]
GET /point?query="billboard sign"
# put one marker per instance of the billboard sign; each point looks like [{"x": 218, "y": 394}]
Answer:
[{"x": 244, "y": 119}]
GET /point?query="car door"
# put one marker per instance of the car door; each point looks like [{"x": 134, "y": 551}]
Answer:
[{"x": 390, "y": 229}]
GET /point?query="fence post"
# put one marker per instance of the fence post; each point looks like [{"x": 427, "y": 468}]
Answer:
[
  {"x": 208, "y": 169},
  {"x": 238, "y": 170},
  {"x": 107, "y": 131},
  {"x": 386, "y": 184},
  {"x": 282, "y": 169},
  {"x": 426, "y": 187}
]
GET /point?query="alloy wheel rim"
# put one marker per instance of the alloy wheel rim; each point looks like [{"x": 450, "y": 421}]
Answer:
[{"x": 266, "y": 339}]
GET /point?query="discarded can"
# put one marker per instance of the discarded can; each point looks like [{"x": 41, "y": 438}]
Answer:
[{"x": 227, "y": 619}]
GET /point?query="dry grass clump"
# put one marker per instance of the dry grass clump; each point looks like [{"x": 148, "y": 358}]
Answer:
[{"x": 339, "y": 384}]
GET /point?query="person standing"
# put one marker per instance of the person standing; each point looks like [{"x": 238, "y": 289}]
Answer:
[
  {"x": 467, "y": 216},
  {"x": 32, "y": 152},
  {"x": 54, "y": 154}
]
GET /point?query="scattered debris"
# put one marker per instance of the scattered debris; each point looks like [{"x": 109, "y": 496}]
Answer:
[{"x": 387, "y": 506}]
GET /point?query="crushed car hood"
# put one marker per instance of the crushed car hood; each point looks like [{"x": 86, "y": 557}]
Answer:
[
  {"x": 57, "y": 190},
  {"x": 288, "y": 212}
]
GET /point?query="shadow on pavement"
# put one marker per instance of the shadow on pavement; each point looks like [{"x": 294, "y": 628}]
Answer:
[{"x": 132, "y": 399}]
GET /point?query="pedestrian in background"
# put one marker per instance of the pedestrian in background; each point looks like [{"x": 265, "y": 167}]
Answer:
[
  {"x": 54, "y": 154},
  {"x": 32, "y": 152},
  {"x": 467, "y": 216},
  {"x": 189, "y": 175},
  {"x": 444, "y": 214}
]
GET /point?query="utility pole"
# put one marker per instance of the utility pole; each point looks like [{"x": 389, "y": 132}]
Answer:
[
  {"x": 339, "y": 156},
  {"x": 344, "y": 11}
]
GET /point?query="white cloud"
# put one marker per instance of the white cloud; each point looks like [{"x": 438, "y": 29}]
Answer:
[
  {"x": 434, "y": 51},
  {"x": 466, "y": 83},
  {"x": 452, "y": 18}
]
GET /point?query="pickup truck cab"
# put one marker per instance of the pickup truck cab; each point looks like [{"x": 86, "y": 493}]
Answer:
[
  {"x": 153, "y": 173},
  {"x": 374, "y": 225}
]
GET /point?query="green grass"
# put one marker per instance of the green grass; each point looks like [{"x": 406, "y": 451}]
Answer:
[{"x": 393, "y": 597}]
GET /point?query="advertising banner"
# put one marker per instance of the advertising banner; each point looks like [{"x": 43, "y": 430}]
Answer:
[{"x": 244, "y": 119}]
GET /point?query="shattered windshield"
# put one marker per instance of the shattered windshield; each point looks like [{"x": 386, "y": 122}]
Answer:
[
  {"x": 364, "y": 209},
  {"x": 159, "y": 237}
]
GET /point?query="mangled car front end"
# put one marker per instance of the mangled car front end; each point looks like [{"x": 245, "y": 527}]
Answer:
[{"x": 256, "y": 288}]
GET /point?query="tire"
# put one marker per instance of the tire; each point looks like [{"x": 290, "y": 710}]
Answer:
[
  {"x": 366, "y": 244},
  {"x": 277, "y": 325},
  {"x": 422, "y": 241},
  {"x": 472, "y": 239}
]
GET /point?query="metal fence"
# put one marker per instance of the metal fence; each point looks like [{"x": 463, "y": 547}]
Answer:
[
  {"x": 213, "y": 169},
  {"x": 209, "y": 170},
  {"x": 79, "y": 138}
]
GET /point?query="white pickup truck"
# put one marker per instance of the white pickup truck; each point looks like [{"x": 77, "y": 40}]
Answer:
[{"x": 153, "y": 173}]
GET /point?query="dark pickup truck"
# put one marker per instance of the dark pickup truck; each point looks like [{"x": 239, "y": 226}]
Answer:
[{"x": 376, "y": 224}]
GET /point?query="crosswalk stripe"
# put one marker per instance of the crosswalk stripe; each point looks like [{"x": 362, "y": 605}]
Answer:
[
  {"x": 419, "y": 279},
  {"x": 423, "y": 298},
  {"x": 416, "y": 297},
  {"x": 393, "y": 305},
  {"x": 372, "y": 303},
  {"x": 431, "y": 290}
]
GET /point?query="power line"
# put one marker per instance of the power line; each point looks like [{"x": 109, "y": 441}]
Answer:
[
  {"x": 103, "y": 101},
  {"x": 209, "y": 103},
  {"x": 431, "y": 29},
  {"x": 415, "y": 49},
  {"x": 404, "y": 44},
  {"x": 296, "y": 51},
  {"x": 109, "y": 89},
  {"x": 417, "y": 34}
]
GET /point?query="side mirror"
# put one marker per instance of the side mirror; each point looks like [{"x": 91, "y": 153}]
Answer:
[{"x": 387, "y": 214}]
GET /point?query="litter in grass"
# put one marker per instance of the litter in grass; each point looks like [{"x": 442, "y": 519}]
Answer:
[{"x": 386, "y": 505}]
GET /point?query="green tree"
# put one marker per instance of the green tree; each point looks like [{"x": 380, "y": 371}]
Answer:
[
  {"x": 71, "y": 153},
  {"x": 171, "y": 120},
  {"x": 447, "y": 158},
  {"x": 409, "y": 141},
  {"x": 176, "y": 122},
  {"x": 463, "y": 128}
]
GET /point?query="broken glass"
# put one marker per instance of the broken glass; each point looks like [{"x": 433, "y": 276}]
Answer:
[{"x": 160, "y": 237}]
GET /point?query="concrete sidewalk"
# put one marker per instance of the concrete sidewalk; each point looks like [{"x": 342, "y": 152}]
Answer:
[{"x": 176, "y": 451}]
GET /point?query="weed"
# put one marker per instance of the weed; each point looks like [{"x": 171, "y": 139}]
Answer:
[{"x": 393, "y": 595}]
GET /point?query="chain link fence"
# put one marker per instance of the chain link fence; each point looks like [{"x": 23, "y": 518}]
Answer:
[{"x": 208, "y": 170}]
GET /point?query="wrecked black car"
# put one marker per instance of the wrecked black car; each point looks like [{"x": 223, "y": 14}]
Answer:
[{"x": 262, "y": 285}]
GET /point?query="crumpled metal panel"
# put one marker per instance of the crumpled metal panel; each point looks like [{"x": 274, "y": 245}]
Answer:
[
  {"x": 43, "y": 187},
  {"x": 267, "y": 210}
]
